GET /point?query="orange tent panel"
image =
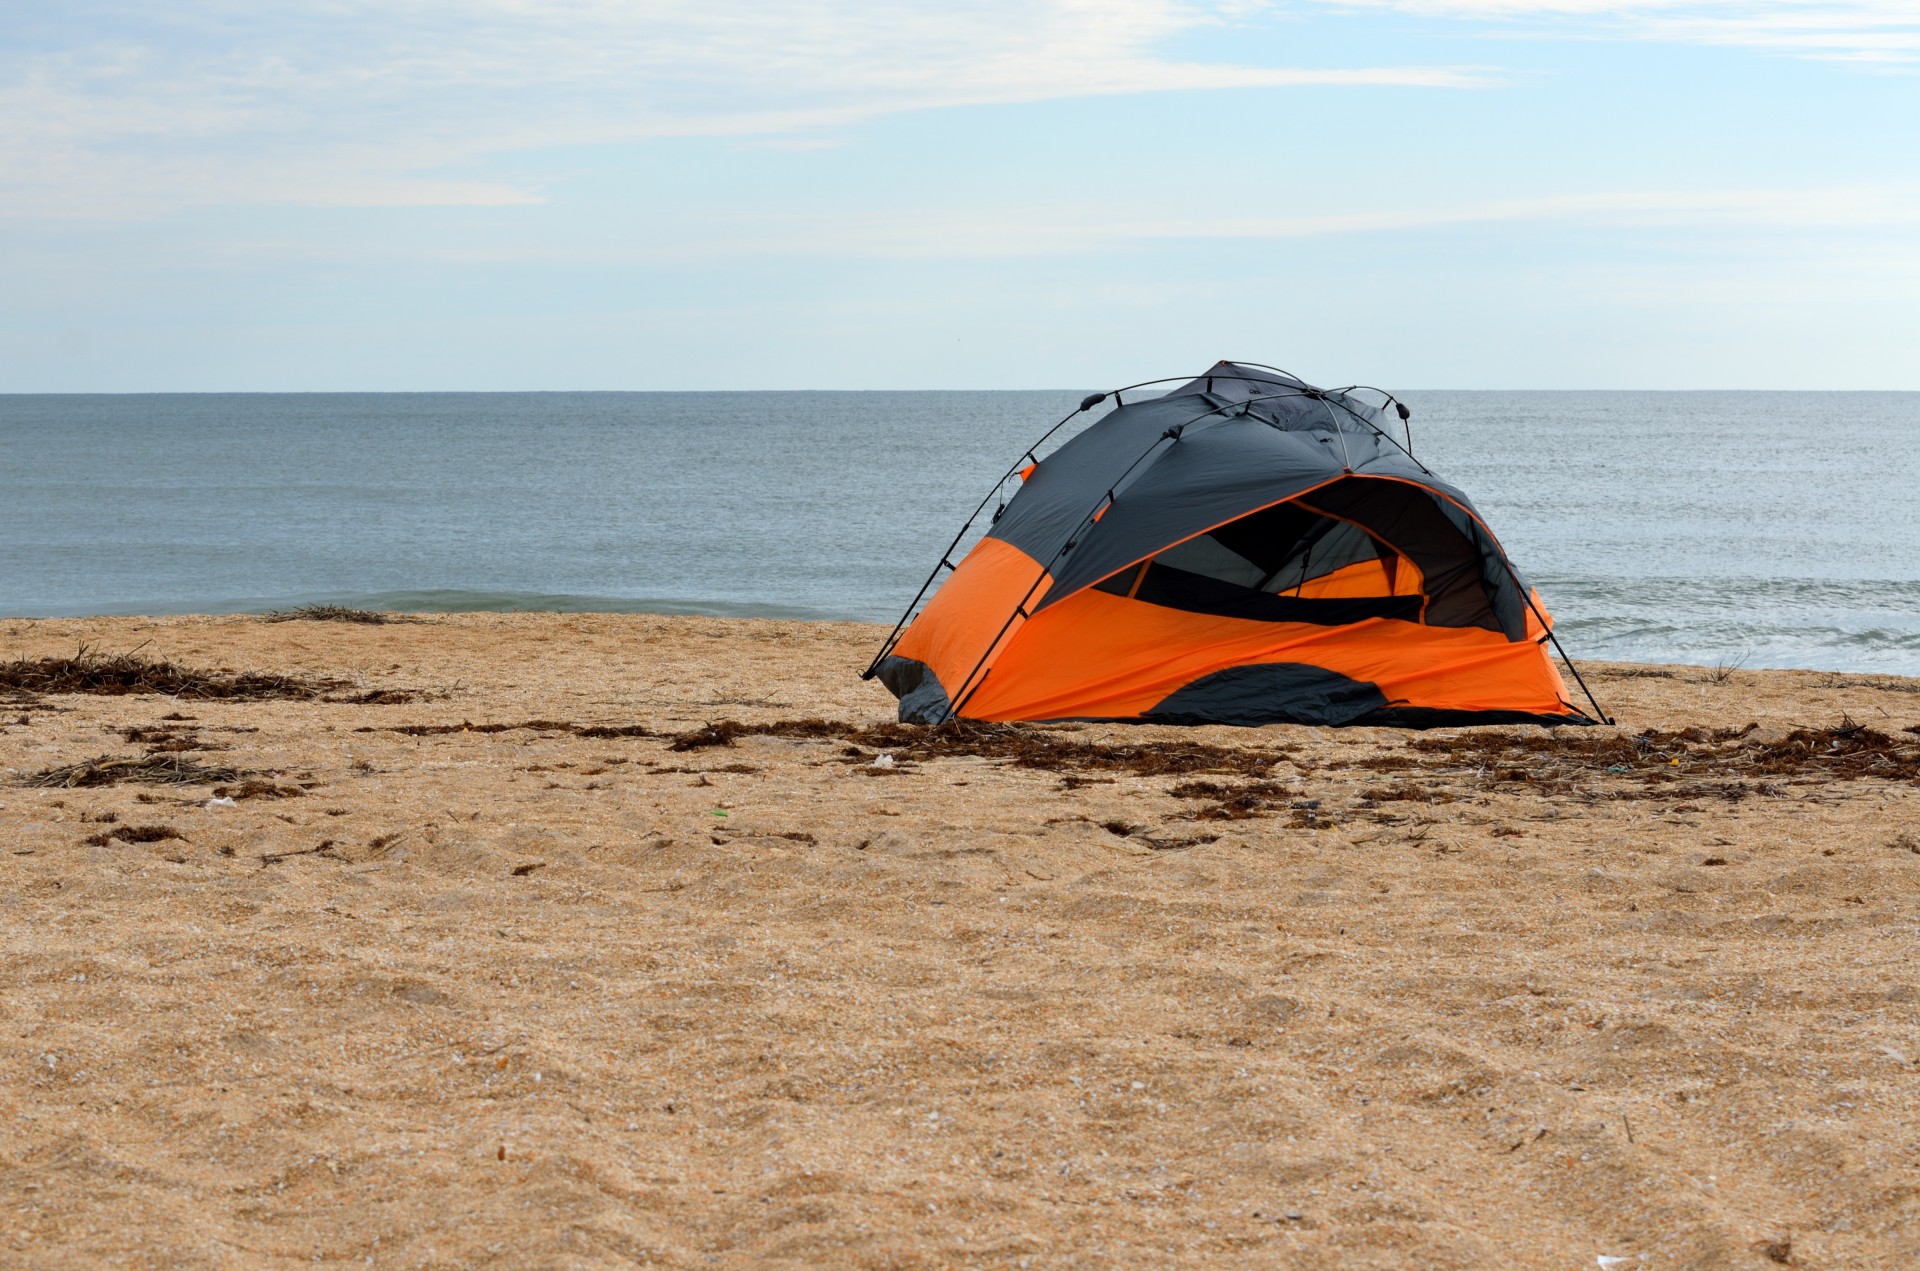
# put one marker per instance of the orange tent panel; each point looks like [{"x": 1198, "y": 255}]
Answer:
[
  {"x": 1097, "y": 655},
  {"x": 962, "y": 621}
]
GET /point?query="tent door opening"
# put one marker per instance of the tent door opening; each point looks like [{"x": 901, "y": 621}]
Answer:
[{"x": 1356, "y": 549}]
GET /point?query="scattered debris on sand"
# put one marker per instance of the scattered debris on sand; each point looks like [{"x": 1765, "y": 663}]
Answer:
[
  {"x": 758, "y": 976},
  {"x": 1050, "y": 748},
  {"x": 1682, "y": 764}
]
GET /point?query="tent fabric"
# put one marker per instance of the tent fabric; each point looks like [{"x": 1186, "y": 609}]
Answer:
[{"x": 1246, "y": 549}]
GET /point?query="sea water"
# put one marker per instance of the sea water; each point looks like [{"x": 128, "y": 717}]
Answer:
[{"x": 1766, "y": 529}]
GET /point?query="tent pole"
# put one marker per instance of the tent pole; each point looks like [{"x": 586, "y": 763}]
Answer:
[
  {"x": 1557, "y": 646},
  {"x": 1407, "y": 449},
  {"x": 1578, "y": 678},
  {"x": 1346, "y": 458}
]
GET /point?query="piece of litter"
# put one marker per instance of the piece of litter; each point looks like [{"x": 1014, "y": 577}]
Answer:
[
  {"x": 882, "y": 761},
  {"x": 1608, "y": 1261},
  {"x": 221, "y": 803},
  {"x": 1898, "y": 1056}
]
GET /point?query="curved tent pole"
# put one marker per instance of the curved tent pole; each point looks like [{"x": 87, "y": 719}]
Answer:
[
  {"x": 1525, "y": 593},
  {"x": 1318, "y": 395},
  {"x": 1346, "y": 456},
  {"x": 1332, "y": 395},
  {"x": 1328, "y": 395},
  {"x": 1406, "y": 417}
]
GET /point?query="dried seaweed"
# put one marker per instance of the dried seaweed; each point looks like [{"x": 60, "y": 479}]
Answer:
[
  {"x": 1025, "y": 746},
  {"x": 726, "y": 731},
  {"x": 121, "y": 674},
  {"x": 1882, "y": 683},
  {"x": 379, "y": 697},
  {"x": 135, "y": 834},
  {"x": 118, "y": 674},
  {"x": 596, "y": 731},
  {"x": 1233, "y": 802},
  {"x": 325, "y": 848},
  {"x": 1022, "y": 745},
  {"x": 158, "y": 736},
  {"x": 1684, "y": 763},
  {"x": 333, "y": 613},
  {"x": 155, "y": 770},
  {"x": 258, "y": 790}
]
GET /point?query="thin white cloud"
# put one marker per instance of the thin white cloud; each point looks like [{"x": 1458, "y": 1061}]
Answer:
[
  {"x": 1053, "y": 231},
  {"x": 1056, "y": 230},
  {"x": 1786, "y": 220},
  {"x": 1841, "y": 207},
  {"x": 117, "y": 110},
  {"x": 1867, "y": 31}
]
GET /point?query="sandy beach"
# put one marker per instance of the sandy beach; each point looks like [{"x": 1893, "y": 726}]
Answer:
[{"x": 595, "y": 940}]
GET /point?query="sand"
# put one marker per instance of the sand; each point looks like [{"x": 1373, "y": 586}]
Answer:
[{"x": 552, "y": 999}]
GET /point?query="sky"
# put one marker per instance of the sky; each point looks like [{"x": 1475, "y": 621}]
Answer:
[{"x": 226, "y": 195}]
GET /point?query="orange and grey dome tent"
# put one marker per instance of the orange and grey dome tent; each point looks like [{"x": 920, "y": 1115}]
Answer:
[{"x": 1245, "y": 549}]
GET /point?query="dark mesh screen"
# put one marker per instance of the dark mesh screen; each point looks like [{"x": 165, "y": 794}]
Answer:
[{"x": 1276, "y": 551}]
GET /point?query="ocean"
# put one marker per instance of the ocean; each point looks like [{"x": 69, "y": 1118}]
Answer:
[{"x": 1759, "y": 529}]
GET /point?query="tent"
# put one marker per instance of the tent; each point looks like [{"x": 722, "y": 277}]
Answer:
[{"x": 1244, "y": 549}]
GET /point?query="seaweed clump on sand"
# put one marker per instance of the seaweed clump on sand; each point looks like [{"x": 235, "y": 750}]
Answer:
[
  {"x": 590, "y": 731},
  {"x": 135, "y": 834},
  {"x": 334, "y": 613},
  {"x": 119, "y": 674},
  {"x": 123, "y": 674},
  {"x": 160, "y": 769},
  {"x": 259, "y": 790}
]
